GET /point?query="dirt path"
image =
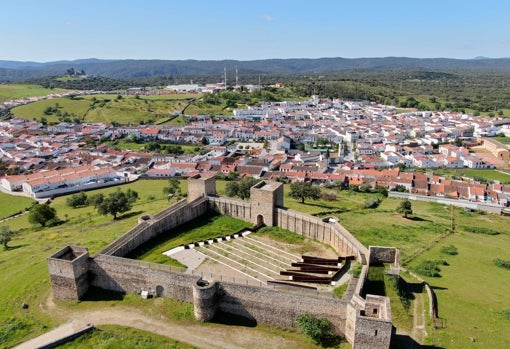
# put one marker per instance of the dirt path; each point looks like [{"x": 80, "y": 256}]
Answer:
[
  {"x": 419, "y": 333},
  {"x": 199, "y": 335}
]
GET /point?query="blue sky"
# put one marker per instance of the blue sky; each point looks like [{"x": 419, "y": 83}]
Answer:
[{"x": 39, "y": 30}]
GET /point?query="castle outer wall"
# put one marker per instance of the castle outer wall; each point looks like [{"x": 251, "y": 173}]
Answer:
[{"x": 72, "y": 271}]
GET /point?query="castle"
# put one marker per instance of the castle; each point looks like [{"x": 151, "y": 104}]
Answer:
[{"x": 364, "y": 319}]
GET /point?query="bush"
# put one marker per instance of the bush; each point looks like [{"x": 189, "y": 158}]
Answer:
[
  {"x": 477, "y": 230},
  {"x": 372, "y": 202},
  {"x": 318, "y": 330},
  {"x": 328, "y": 197},
  {"x": 430, "y": 268},
  {"x": 450, "y": 249},
  {"x": 505, "y": 264}
]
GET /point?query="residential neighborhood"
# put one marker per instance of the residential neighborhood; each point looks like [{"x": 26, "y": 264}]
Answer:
[{"x": 325, "y": 142}]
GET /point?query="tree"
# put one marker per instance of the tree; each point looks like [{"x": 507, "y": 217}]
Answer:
[
  {"x": 5, "y": 236},
  {"x": 302, "y": 191},
  {"x": 405, "y": 208},
  {"x": 41, "y": 214},
  {"x": 77, "y": 200},
  {"x": 115, "y": 203},
  {"x": 317, "y": 329},
  {"x": 174, "y": 188},
  {"x": 241, "y": 188},
  {"x": 95, "y": 199}
]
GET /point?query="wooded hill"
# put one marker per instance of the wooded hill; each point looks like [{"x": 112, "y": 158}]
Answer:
[{"x": 18, "y": 71}]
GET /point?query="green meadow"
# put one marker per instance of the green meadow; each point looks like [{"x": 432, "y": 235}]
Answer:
[
  {"x": 13, "y": 91},
  {"x": 106, "y": 109}
]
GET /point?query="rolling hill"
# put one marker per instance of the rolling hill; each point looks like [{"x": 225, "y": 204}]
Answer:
[{"x": 18, "y": 71}]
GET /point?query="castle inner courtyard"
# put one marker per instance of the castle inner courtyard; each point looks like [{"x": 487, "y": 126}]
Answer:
[{"x": 251, "y": 256}]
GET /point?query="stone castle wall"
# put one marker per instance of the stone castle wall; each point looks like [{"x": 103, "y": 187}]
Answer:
[
  {"x": 315, "y": 228},
  {"x": 266, "y": 305},
  {"x": 152, "y": 227},
  {"x": 71, "y": 270}
]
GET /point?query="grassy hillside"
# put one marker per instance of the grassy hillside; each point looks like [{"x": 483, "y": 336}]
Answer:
[
  {"x": 105, "y": 109},
  {"x": 12, "y": 91}
]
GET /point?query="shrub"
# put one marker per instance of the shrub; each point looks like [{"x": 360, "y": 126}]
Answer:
[
  {"x": 318, "y": 330},
  {"x": 505, "y": 264},
  {"x": 371, "y": 202},
  {"x": 430, "y": 268},
  {"x": 450, "y": 249},
  {"x": 477, "y": 230},
  {"x": 506, "y": 313},
  {"x": 328, "y": 197}
]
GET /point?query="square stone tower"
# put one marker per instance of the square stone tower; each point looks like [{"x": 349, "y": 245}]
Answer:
[
  {"x": 200, "y": 185},
  {"x": 265, "y": 196},
  {"x": 68, "y": 272}
]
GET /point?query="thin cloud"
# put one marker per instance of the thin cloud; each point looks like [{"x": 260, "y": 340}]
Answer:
[{"x": 268, "y": 18}]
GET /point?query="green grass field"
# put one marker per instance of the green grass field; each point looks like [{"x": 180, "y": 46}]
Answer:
[
  {"x": 13, "y": 91},
  {"x": 108, "y": 109},
  {"x": 208, "y": 227},
  {"x": 10, "y": 204},
  {"x": 471, "y": 290}
]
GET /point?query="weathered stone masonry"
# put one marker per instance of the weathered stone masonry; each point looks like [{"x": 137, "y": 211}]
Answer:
[{"x": 365, "y": 322}]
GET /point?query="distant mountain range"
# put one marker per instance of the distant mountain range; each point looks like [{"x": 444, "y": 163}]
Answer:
[{"x": 18, "y": 71}]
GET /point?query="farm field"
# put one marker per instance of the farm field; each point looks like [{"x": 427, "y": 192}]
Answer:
[
  {"x": 13, "y": 91},
  {"x": 10, "y": 204},
  {"x": 106, "y": 109},
  {"x": 471, "y": 287}
]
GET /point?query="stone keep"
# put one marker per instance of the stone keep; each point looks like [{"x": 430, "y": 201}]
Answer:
[{"x": 264, "y": 198}]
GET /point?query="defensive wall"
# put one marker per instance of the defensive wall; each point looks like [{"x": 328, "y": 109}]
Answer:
[
  {"x": 364, "y": 321},
  {"x": 472, "y": 205}
]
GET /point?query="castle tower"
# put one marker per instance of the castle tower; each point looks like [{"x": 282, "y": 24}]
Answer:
[
  {"x": 200, "y": 185},
  {"x": 68, "y": 272},
  {"x": 265, "y": 196}
]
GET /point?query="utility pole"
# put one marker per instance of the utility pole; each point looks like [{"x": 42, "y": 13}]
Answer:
[{"x": 452, "y": 219}]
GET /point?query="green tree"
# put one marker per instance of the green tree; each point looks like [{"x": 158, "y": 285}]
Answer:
[
  {"x": 173, "y": 189},
  {"x": 41, "y": 214},
  {"x": 77, "y": 200},
  {"x": 115, "y": 203},
  {"x": 302, "y": 191},
  {"x": 95, "y": 199},
  {"x": 405, "y": 208},
  {"x": 241, "y": 188},
  {"x": 317, "y": 329},
  {"x": 5, "y": 236}
]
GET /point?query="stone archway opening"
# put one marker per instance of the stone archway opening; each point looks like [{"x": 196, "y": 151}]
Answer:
[
  {"x": 160, "y": 291},
  {"x": 260, "y": 220}
]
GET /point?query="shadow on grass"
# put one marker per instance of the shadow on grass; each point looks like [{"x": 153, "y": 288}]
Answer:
[
  {"x": 319, "y": 205},
  {"x": 418, "y": 219},
  {"x": 438, "y": 288},
  {"x": 96, "y": 294},
  {"x": 15, "y": 247},
  {"x": 223, "y": 318},
  {"x": 129, "y": 215},
  {"x": 399, "y": 341}
]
